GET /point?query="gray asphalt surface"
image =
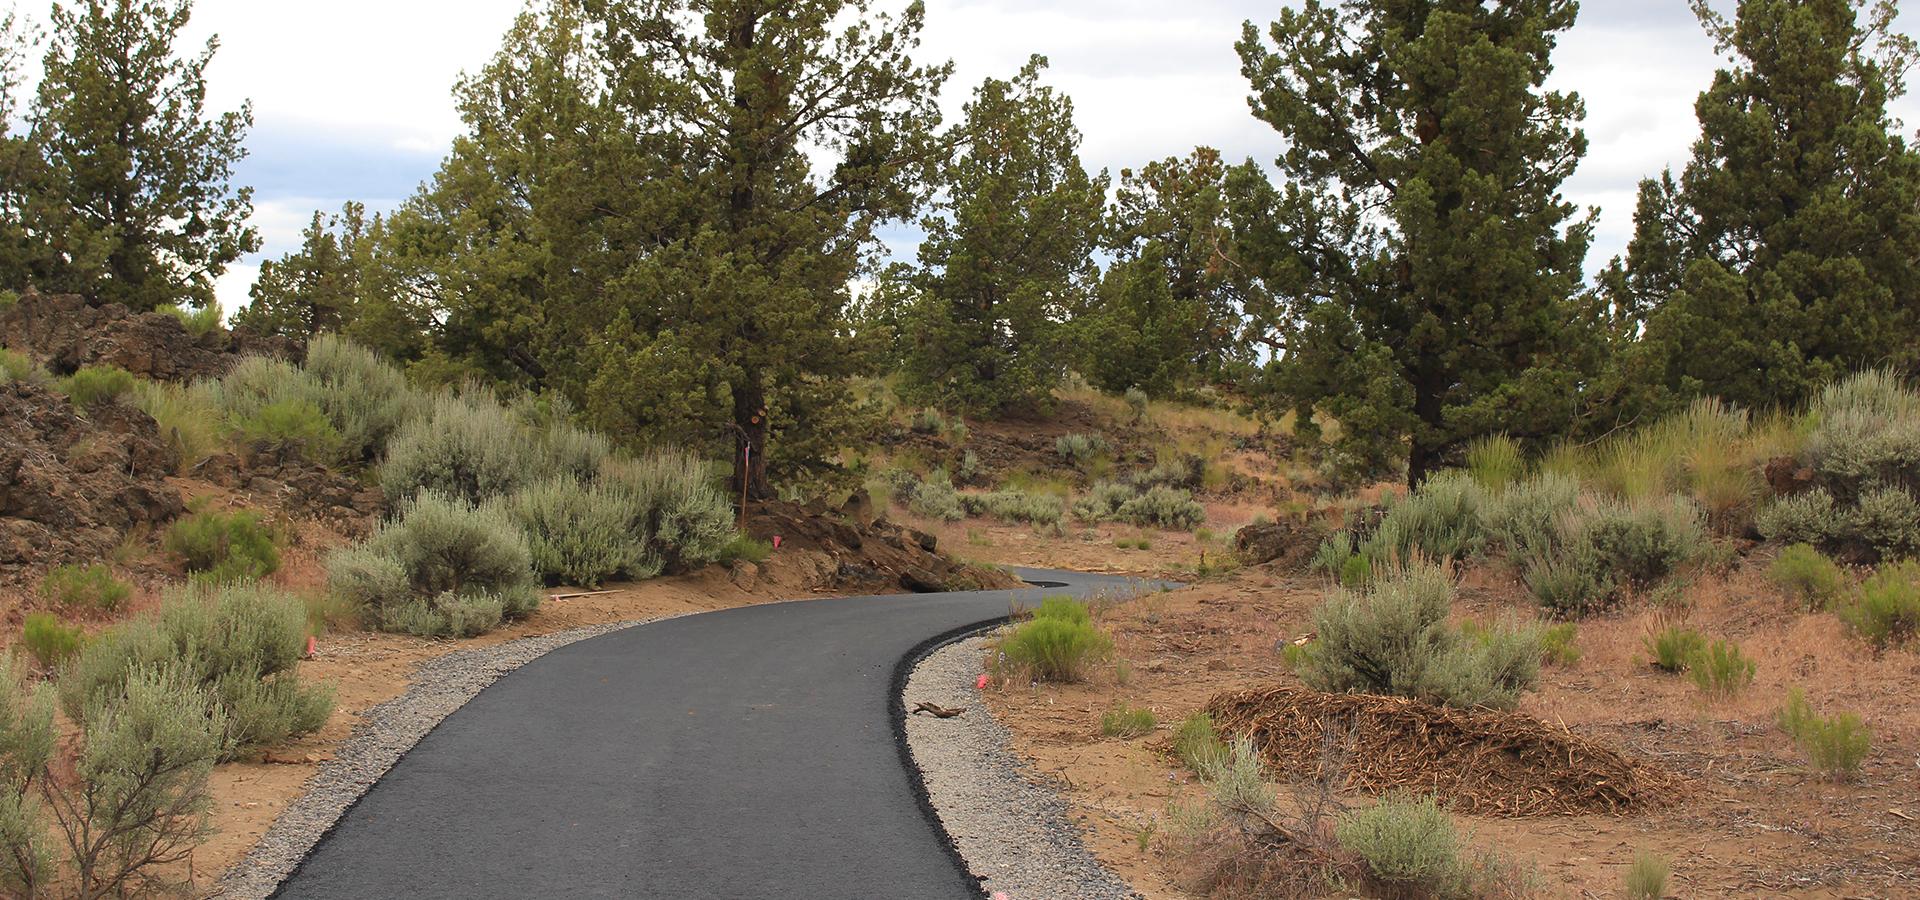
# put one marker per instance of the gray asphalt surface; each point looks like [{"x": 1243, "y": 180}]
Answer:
[{"x": 742, "y": 753}]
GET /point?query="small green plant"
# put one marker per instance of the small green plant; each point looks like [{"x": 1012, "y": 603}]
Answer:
[
  {"x": 223, "y": 547},
  {"x": 95, "y": 385},
  {"x": 444, "y": 567},
  {"x": 1887, "y": 609},
  {"x": 929, "y": 421},
  {"x": 1198, "y": 746},
  {"x": 1496, "y": 461},
  {"x": 1674, "y": 647},
  {"x": 1647, "y": 878},
  {"x": 1813, "y": 578},
  {"x": 1721, "y": 670},
  {"x": 1356, "y": 571},
  {"x": 1137, "y": 401},
  {"x": 1081, "y": 449},
  {"x": 1556, "y": 644},
  {"x": 1127, "y": 721},
  {"x": 197, "y": 322},
  {"x": 1059, "y": 643},
  {"x": 91, "y": 587},
  {"x": 1237, "y": 783},
  {"x": 49, "y": 642},
  {"x": 292, "y": 423},
  {"x": 1410, "y": 844},
  {"x": 743, "y": 546},
  {"x": 15, "y": 366},
  {"x": 1835, "y": 745}
]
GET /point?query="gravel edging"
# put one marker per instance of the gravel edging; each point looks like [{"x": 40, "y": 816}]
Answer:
[{"x": 1014, "y": 834}]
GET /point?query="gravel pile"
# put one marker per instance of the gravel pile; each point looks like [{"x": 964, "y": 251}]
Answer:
[{"x": 1015, "y": 835}]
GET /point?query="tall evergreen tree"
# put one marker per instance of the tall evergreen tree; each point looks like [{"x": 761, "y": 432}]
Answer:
[
  {"x": 19, "y": 166},
  {"x": 317, "y": 288},
  {"x": 1008, "y": 253},
  {"x": 133, "y": 203},
  {"x": 1784, "y": 254},
  {"x": 1174, "y": 302},
  {"x": 767, "y": 137},
  {"x": 1426, "y": 254}
]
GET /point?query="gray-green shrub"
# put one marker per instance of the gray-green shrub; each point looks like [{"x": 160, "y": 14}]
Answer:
[
  {"x": 470, "y": 448},
  {"x": 581, "y": 534},
  {"x": 443, "y": 566},
  {"x": 222, "y": 547},
  {"x": 1080, "y": 449},
  {"x": 683, "y": 520},
  {"x": 238, "y": 643},
  {"x": 1640, "y": 543},
  {"x": 1411, "y": 844},
  {"x": 1815, "y": 580},
  {"x": 1524, "y": 519},
  {"x": 1103, "y": 501},
  {"x": 1394, "y": 639},
  {"x": 365, "y": 397},
  {"x": 1238, "y": 782},
  {"x": 1164, "y": 507},
  {"x": 1886, "y": 609},
  {"x": 1014, "y": 506},
  {"x": 1864, "y": 450},
  {"x": 1573, "y": 582},
  {"x": 1441, "y": 520},
  {"x": 936, "y": 498}
]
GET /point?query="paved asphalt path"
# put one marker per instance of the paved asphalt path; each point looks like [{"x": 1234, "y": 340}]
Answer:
[{"x": 742, "y": 753}]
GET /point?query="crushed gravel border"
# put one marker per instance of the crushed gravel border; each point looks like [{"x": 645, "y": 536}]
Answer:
[{"x": 1014, "y": 834}]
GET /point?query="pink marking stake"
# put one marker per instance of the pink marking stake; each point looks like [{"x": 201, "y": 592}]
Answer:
[{"x": 981, "y": 685}]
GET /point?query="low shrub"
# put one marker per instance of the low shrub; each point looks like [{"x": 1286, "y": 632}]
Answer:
[
  {"x": 1556, "y": 644},
  {"x": 1674, "y": 647},
  {"x": 1647, "y": 878},
  {"x": 1524, "y": 519},
  {"x": 1163, "y": 507},
  {"x": 1237, "y": 782},
  {"x": 443, "y": 567},
  {"x": 1815, "y": 580},
  {"x": 469, "y": 448},
  {"x": 1127, "y": 721},
  {"x": 192, "y": 427},
  {"x": 16, "y": 366},
  {"x": 47, "y": 641},
  {"x": 1836, "y": 745},
  {"x": 1641, "y": 542},
  {"x": 685, "y": 522},
  {"x": 1081, "y": 449},
  {"x": 291, "y": 423},
  {"x": 1407, "y": 843},
  {"x": 935, "y": 498},
  {"x": 1721, "y": 670},
  {"x": 239, "y": 644},
  {"x": 365, "y": 397},
  {"x": 1572, "y": 583},
  {"x": 222, "y": 547},
  {"x": 1864, "y": 450},
  {"x": 91, "y": 587},
  {"x": 1393, "y": 639},
  {"x": 579, "y": 534},
  {"x": 1198, "y": 746},
  {"x": 1059, "y": 643},
  {"x": 95, "y": 385},
  {"x": 1886, "y": 610},
  {"x": 1103, "y": 501},
  {"x": 197, "y": 322},
  {"x": 1014, "y": 506},
  {"x": 1441, "y": 520}
]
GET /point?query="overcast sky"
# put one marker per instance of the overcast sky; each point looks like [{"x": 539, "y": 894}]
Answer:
[{"x": 352, "y": 98}]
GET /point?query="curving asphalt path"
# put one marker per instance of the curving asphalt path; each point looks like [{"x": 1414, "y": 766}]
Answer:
[{"x": 744, "y": 753}]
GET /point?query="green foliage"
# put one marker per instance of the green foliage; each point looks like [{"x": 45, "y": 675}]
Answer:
[
  {"x": 1835, "y": 745},
  {"x": 189, "y": 423},
  {"x": 86, "y": 587},
  {"x": 197, "y": 322},
  {"x": 1641, "y": 543},
  {"x": 1059, "y": 643},
  {"x": 1524, "y": 519},
  {"x": 1886, "y": 610},
  {"x": 1814, "y": 579},
  {"x": 292, "y": 423},
  {"x": 223, "y": 547},
  {"x": 1164, "y": 507},
  {"x": 28, "y": 741},
  {"x": 579, "y": 534},
  {"x": 1775, "y": 262},
  {"x": 1571, "y": 583},
  {"x": 1198, "y": 745},
  {"x": 47, "y": 641},
  {"x": 1014, "y": 506},
  {"x": 17, "y": 366},
  {"x": 1407, "y": 843},
  {"x": 1424, "y": 166},
  {"x": 95, "y": 385},
  {"x": 685, "y": 522},
  {"x": 1008, "y": 253},
  {"x": 1721, "y": 670},
  {"x": 318, "y": 289},
  {"x": 1439, "y": 520},
  {"x": 365, "y": 397},
  {"x": 1237, "y": 781},
  {"x": 1081, "y": 449},
  {"x": 1103, "y": 501},
  {"x": 1646, "y": 879},
  {"x": 470, "y": 448},
  {"x": 238, "y": 645},
  {"x": 1865, "y": 453},
  {"x": 444, "y": 566},
  {"x": 1137, "y": 401},
  {"x": 1496, "y": 461},
  {"x": 936, "y": 498},
  {"x": 154, "y": 221},
  {"x": 1556, "y": 644},
  {"x": 1127, "y": 721},
  {"x": 1674, "y": 647},
  {"x": 1394, "y": 639}
]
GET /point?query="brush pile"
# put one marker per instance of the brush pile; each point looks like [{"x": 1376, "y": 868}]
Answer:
[{"x": 1480, "y": 761}]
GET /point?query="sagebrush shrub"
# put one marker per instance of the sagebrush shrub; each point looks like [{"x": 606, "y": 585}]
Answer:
[
  {"x": 292, "y": 423},
  {"x": 936, "y": 498},
  {"x": 1524, "y": 519},
  {"x": 1406, "y": 842},
  {"x": 1441, "y": 520},
  {"x": 222, "y": 547},
  {"x": 581, "y": 534},
  {"x": 95, "y": 385},
  {"x": 685, "y": 522},
  {"x": 47, "y": 641},
  {"x": 365, "y": 397},
  {"x": 470, "y": 448},
  {"x": 1103, "y": 501},
  {"x": 1814, "y": 580},
  {"x": 1014, "y": 506},
  {"x": 1864, "y": 449},
  {"x": 1835, "y": 745},
  {"x": 1573, "y": 582},
  {"x": 1080, "y": 449},
  {"x": 1641, "y": 542},
  {"x": 92, "y": 587},
  {"x": 457, "y": 560},
  {"x": 1238, "y": 782},
  {"x": 254, "y": 383},
  {"x": 238, "y": 643},
  {"x": 1163, "y": 506},
  {"x": 1393, "y": 639}
]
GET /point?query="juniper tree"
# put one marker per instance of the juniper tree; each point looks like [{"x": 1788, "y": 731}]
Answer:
[
  {"x": 1430, "y": 267},
  {"x": 1783, "y": 255},
  {"x": 132, "y": 203},
  {"x": 1008, "y": 254}
]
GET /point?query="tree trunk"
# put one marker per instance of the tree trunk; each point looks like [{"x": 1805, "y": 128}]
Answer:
[{"x": 750, "y": 446}]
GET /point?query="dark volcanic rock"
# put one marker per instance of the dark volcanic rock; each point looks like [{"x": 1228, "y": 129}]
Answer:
[
  {"x": 1291, "y": 543},
  {"x": 64, "y": 334}
]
